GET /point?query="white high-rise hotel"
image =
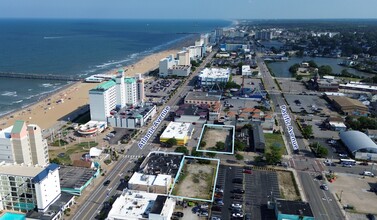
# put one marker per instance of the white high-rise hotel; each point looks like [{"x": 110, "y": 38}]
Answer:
[
  {"x": 118, "y": 92},
  {"x": 23, "y": 144}
]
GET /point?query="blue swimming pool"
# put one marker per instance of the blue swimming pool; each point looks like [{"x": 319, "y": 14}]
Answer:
[{"x": 12, "y": 216}]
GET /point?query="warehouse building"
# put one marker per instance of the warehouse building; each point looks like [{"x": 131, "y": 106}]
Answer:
[{"x": 360, "y": 145}]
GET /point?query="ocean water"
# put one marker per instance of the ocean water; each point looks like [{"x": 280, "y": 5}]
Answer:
[{"x": 79, "y": 47}]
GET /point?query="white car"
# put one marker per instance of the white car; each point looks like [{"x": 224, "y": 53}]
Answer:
[
  {"x": 367, "y": 173},
  {"x": 236, "y": 205}
]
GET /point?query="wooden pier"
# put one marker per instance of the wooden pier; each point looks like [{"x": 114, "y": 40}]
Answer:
[{"x": 39, "y": 76}]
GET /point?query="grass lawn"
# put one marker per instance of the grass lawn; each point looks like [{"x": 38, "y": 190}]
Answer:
[
  {"x": 274, "y": 140},
  {"x": 78, "y": 148}
]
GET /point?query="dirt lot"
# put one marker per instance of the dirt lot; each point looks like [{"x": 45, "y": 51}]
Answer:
[
  {"x": 355, "y": 192},
  {"x": 213, "y": 135},
  {"x": 286, "y": 186},
  {"x": 197, "y": 180}
]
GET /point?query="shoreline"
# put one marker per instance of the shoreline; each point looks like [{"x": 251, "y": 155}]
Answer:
[{"x": 48, "y": 110}]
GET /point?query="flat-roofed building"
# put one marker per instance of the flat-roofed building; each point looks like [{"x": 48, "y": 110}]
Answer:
[
  {"x": 24, "y": 188},
  {"x": 161, "y": 162},
  {"x": 181, "y": 131},
  {"x": 246, "y": 70},
  {"x": 348, "y": 106},
  {"x": 159, "y": 183},
  {"x": 285, "y": 209},
  {"x": 198, "y": 98},
  {"x": 139, "y": 205},
  {"x": 214, "y": 76}
]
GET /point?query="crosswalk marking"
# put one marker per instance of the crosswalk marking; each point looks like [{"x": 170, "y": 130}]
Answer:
[{"x": 132, "y": 156}]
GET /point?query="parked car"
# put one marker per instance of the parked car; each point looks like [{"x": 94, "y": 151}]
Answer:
[
  {"x": 343, "y": 155},
  {"x": 247, "y": 171},
  {"x": 236, "y": 205},
  {"x": 347, "y": 165},
  {"x": 178, "y": 214},
  {"x": 239, "y": 191},
  {"x": 237, "y": 180},
  {"x": 367, "y": 173}
]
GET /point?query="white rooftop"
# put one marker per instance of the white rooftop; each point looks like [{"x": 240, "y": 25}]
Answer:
[
  {"x": 19, "y": 170},
  {"x": 132, "y": 204},
  {"x": 178, "y": 130},
  {"x": 245, "y": 68},
  {"x": 162, "y": 180},
  {"x": 215, "y": 73},
  {"x": 5, "y": 133},
  {"x": 141, "y": 179},
  {"x": 337, "y": 124},
  {"x": 358, "y": 86}
]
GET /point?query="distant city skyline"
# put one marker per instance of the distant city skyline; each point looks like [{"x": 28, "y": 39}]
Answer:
[{"x": 193, "y": 9}]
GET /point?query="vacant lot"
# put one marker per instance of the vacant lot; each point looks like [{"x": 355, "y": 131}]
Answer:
[
  {"x": 287, "y": 185},
  {"x": 275, "y": 140},
  {"x": 355, "y": 191},
  {"x": 217, "y": 138},
  {"x": 196, "y": 180}
]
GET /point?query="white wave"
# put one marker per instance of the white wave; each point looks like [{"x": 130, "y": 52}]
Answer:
[
  {"x": 52, "y": 37},
  {"x": 15, "y": 102},
  {"x": 30, "y": 90},
  {"x": 110, "y": 63},
  {"x": 46, "y": 85},
  {"x": 9, "y": 93}
]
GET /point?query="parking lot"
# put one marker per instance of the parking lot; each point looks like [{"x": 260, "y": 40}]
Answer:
[
  {"x": 355, "y": 191},
  {"x": 319, "y": 131},
  {"x": 289, "y": 85},
  {"x": 258, "y": 186},
  {"x": 309, "y": 103}
]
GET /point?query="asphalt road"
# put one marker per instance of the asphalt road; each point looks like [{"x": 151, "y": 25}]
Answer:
[
  {"x": 91, "y": 206},
  {"x": 323, "y": 203},
  {"x": 312, "y": 191}
]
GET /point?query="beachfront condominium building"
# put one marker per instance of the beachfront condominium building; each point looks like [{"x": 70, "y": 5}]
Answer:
[
  {"x": 175, "y": 67},
  {"x": 24, "y": 188},
  {"x": 23, "y": 144},
  {"x": 183, "y": 58},
  {"x": 214, "y": 77},
  {"x": 116, "y": 93}
]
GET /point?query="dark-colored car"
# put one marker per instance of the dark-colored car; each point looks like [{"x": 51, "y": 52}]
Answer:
[
  {"x": 106, "y": 183},
  {"x": 237, "y": 180},
  {"x": 178, "y": 214},
  {"x": 239, "y": 191},
  {"x": 216, "y": 208}
]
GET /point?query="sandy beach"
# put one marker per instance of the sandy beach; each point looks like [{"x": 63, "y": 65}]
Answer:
[{"x": 54, "y": 108}]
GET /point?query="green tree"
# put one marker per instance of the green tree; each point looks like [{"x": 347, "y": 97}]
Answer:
[
  {"x": 324, "y": 70},
  {"x": 294, "y": 68},
  {"x": 171, "y": 142},
  {"x": 307, "y": 131},
  {"x": 195, "y": 153},
  {"x": 182, "y": 149},
  {"x": 298, "y": 77},
  {"x": 55, "y": 160},
  {"x": 220, "y": 145},
  {"x": 312, "y": 64},
  {"x": 239, "y": 157},
  {"x": 319, "y": 150},
  {"x": 202, "y": 144},
  {"x": 239, "y": 145},
  {"x": 210, "y": 154},
  {"x": 273, "y": 155}
]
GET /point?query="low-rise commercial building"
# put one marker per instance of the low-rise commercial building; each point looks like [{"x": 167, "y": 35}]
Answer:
[
  {"x": 293, "y": 210},
  {"x": 132, "y": 118},
  {"x": 210, "y": 77},
  {"x": 74, "y": 180},
  {"x": 371, "y": 133},
  {"x": 191, "y": 114},
  {"x": 150, "y": 183},
  {"x": 139, "y": 205},
  {"x": 180, "y": 131},
  {"x": 246, "y": 70},
  {"x": 348, "y": 106},
  {"x": 198, "y": 98}
]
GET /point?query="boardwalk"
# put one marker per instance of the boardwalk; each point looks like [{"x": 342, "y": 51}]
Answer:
[{"x": 39, "y": 76}]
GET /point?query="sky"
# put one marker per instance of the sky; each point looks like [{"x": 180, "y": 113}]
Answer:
[{"x": 189, "y": 9}]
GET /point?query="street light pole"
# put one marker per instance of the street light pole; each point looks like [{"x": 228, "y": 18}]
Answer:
[{"x": 340, "y": 197}]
